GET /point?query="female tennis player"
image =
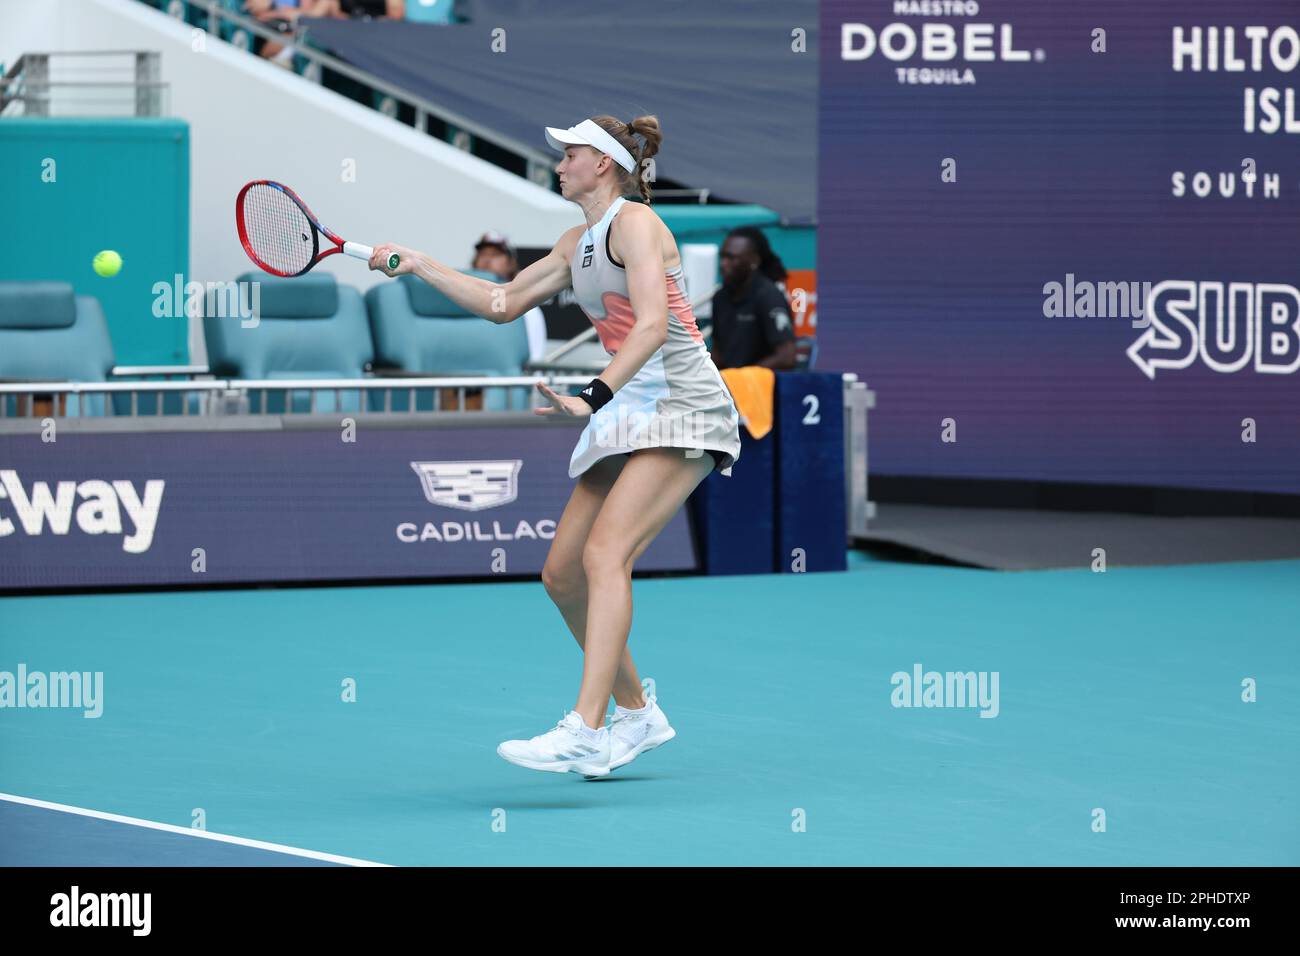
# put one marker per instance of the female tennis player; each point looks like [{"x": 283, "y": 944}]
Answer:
[{"x": 651, "y": 415}]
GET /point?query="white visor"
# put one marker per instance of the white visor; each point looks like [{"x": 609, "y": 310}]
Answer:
[{"x": 588, "y": 133}]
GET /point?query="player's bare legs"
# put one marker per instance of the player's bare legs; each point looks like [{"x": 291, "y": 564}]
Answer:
[
  {"x": 654, "y": 484},
  {"x": 566, "y": 581}
]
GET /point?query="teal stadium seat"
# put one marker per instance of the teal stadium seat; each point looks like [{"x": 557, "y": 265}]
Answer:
[
  {"x": 430, "y": 11},
  {"x": 419, "y": 330},
  {"x": 301, "y": 63},
  {"x": 195, "y": 14},
  {"x": 309, "y": 327},
  {"x": 232, "y": 34},
  {"x": 48, "y": 333}
]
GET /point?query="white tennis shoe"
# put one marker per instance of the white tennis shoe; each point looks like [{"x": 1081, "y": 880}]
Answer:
[
  {"x": 561, "y": 749},
  {"x": 633, "y": 734}
]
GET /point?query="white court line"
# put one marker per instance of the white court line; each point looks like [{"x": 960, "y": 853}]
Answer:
[{"x": 187, "y": 831}]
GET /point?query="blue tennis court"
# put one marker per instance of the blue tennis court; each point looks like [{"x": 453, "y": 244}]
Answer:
[{"x": 1119, "y": 691}]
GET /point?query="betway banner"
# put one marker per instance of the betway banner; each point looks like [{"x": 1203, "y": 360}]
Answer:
[
  {"x": 216, "y": 507},
  {"x": 1061, "y": 241}
]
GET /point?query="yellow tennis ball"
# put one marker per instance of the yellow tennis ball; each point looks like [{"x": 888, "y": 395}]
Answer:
[{"x": 107, "y": 263}]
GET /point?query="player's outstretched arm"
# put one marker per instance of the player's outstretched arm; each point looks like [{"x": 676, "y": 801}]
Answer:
[{"x": 496, "y": 302}]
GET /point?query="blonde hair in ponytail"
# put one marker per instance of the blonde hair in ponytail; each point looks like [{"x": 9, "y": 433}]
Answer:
[{"x": 645, "y": 127}]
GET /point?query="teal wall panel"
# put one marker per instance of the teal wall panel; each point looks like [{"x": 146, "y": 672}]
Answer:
[
  {"x": 120, "y": 184},
  {"x": 796, "y": 245}
]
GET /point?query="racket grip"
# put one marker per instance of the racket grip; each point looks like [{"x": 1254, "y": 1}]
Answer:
[{"x": 360, "y": 251}]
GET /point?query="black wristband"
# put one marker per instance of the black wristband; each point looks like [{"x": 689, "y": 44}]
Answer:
[{"x": 596, "y": 394}]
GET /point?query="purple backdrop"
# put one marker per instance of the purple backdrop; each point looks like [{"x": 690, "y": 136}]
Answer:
[{"x": 933, "y": 291}]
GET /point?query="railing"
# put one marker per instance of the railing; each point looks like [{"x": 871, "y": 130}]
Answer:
[
  {"x": 218, "y": 403},
  {"x": 858, "y": 401},
  {"x": 56, "y": 83},
  {"x": 461, "y": 130},
  {"x": 224, "y": 397}
]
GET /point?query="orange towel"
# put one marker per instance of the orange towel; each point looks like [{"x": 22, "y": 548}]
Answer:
[{"x": 752, "y": 388}]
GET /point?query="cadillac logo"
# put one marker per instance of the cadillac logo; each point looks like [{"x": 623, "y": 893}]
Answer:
[{"x": 469, "y": 485}]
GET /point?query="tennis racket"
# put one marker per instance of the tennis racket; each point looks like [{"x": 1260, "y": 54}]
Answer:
[{"x": 281, "y": 235}]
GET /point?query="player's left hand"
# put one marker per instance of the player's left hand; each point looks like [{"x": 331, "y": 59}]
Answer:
[{"x": 569, "y": 405}]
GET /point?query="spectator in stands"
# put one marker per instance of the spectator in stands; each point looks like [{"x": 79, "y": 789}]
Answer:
[
  {"x": 345, "y": 9},
  {"x": 493, "y": 253},
  {"x": 284, "y": 15},
  {"x": 339, "y": 9},
  {"x": 751, "y": 318},
  {"x": 393, "y": 9}
]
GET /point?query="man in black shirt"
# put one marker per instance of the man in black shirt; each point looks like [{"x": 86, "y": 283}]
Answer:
[{"x": 751, "y": 318}]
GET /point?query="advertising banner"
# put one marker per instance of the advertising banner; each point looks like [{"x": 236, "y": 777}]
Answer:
[
  {"x": 93, "y": 510},
  {"x": 1061, "y": 241}
]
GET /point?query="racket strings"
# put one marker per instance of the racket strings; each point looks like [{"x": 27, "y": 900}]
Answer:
[{"x": 278, "y": 231}]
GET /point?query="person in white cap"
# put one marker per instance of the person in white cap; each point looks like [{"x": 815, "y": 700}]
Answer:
[{"x": 652, "y": 415}]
